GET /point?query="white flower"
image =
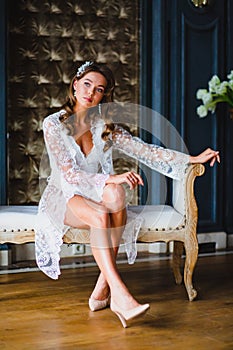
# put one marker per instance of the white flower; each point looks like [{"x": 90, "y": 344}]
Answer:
[
  {"x": 207, "y": 98},
  {"x": 218, "y": 92},
  {"x": 230, "y": 76},
  {"x": 202, "y": 111},
  {"x": 221, "y": 89},
  {"x": 213, "y": 83},
  {"x": 201, "y": 93},
  {"x": 231, "y": 84}
]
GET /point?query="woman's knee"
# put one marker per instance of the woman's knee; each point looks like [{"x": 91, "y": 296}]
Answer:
[
  {"x": 114, "y": 197},
  {"x": 101, "y": 220}
]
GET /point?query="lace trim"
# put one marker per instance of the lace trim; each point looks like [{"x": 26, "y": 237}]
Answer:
[
  {"x": 168, "y": 162},
  {"x": 48, "y": 241}
]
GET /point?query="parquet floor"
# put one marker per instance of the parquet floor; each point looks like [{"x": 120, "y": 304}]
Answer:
[{"x": 41, "y": 314}]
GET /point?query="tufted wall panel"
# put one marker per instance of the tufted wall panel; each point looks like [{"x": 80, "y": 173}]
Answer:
[{"x": 47, "y": 40}]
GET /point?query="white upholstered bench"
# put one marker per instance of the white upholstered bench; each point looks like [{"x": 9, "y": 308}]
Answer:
[{"x": 161, "y": 223}]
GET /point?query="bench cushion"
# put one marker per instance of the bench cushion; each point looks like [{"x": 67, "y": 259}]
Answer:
[
  {"x": 17, "y": 217},
  {"x": 158, "y": 217},
  {"x": 161, "y": 217}
]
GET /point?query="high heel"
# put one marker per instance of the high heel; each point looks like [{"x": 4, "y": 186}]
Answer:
[
  {"x": 126, "y": 315},
  {"x": 96, "y": 305}
]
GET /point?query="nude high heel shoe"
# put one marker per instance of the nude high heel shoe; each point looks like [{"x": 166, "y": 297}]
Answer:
[
  {"x": 96, "y": 305},
  {"x": 126, "y": 315}
]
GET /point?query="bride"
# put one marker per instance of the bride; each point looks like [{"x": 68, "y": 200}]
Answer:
[{"x": 84, "y": 192}]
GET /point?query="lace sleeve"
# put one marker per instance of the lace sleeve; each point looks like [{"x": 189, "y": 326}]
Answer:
[
  {"x": 168, "y": 162},
  {"x": 61, "y": 157}
]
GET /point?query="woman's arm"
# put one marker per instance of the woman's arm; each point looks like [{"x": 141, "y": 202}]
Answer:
[
  {"x": 166, "y": 161},
  {"x": 61, "y": 157},
  {"x": 208, "y": 155}
]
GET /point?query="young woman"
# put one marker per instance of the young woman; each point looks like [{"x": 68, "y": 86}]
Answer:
[{"x": 79, "y": 143}]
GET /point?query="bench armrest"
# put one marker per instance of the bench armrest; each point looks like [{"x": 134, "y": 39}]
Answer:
[{"x": 183, "y": 190}]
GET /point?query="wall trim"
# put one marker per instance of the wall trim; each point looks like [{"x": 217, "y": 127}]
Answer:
[
  {"x": 3, "y": 69},
  {"x": 230, "y": 241},
  {"x": 219, "y": 238}
]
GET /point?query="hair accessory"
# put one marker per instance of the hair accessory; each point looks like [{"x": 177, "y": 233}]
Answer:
[{"x": 83, "y": 67}]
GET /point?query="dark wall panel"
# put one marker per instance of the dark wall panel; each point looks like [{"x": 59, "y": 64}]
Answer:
[
  {"x": 199, "y": 42},
  {"x": 194, "y": 44},
  {"x": 198, "y": 51},
  {"x": 47, "y": 41},
  {"x": 3, "y": 136}
]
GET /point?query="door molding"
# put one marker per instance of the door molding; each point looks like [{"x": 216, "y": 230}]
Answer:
[{"x": 3, "y": 110}]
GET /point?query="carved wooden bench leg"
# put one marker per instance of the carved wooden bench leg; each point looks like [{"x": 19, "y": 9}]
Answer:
[
  {"x": 191, "y": 248},
  {"x": 176, "y": 265}
]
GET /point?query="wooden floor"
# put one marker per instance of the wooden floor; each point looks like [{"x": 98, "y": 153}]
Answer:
[{"x": 38, "y": 313}]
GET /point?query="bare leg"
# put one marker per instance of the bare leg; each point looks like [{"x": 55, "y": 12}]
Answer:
[
  {"x": 123, "y": 303},
  {"x": 84, "y": 213},
  {"x": 106, "y": 261},
  {"x": 117, "y": 221},
  {"x": 114, "y": 200}
]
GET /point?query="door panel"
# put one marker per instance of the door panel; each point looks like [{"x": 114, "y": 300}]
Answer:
[
  {"x": 202, "y": 54},
  {"x": 194, "y": 48}
]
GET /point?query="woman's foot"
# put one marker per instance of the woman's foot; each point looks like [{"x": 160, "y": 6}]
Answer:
[
  {"x": 96, "y": 305},
  {"x": 100, "y": 297},
  {"x": 126, "y": 315}
]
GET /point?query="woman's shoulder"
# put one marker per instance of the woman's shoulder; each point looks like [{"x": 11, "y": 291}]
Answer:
[
  {"x": 56, "y": 115},
  {"x": 54, "y": 118}
]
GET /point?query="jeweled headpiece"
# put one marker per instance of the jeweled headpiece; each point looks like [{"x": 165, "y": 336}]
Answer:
[{"x": 83, "y": 67}]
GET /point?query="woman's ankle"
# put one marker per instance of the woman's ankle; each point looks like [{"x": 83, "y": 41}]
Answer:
[
  {"x": 125, "y": 301},
  {"x": 100, "y": 294},
  {"x": 101, "y": 290}
]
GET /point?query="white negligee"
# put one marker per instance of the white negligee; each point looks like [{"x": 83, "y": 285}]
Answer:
[{"x": 74, "y": 173}]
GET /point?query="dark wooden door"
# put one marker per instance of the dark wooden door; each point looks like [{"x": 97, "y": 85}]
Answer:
[{"x": 182, "y": 47}]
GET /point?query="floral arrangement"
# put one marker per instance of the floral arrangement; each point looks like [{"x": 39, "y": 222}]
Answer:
[{"x": 218, "y": 92}]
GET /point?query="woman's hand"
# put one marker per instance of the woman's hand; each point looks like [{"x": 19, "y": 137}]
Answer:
[
  {"x": 207, "y": 155},
  {"x": 131, "y": 178}
]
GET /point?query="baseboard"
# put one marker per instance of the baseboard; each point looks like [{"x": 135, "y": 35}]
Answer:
[
  {"x": 230, "y": 241},
  {"x": 220, "y": 241},
  {"x": 24, "y": 252},
  {"x": 219, "y": 238}
]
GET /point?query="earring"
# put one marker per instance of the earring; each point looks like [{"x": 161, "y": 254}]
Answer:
[{"x": 100, "y": 109}]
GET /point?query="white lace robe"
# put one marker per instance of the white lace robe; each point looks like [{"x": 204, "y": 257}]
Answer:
[{"x": 73, "y": 173}]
